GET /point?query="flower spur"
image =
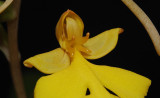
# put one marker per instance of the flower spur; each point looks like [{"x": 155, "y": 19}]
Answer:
[{"x": 71, "y": 74}]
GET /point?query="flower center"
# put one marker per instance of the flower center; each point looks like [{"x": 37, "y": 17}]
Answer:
[{"x": 76, "y": 43}]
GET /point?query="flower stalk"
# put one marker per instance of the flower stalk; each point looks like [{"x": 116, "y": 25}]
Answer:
[
  {"x": 15, "y": 68},
  {"x": 146, "y": 22}
]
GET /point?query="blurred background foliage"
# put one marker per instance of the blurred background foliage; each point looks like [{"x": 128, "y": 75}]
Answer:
[{"x": 134, "y": 50}]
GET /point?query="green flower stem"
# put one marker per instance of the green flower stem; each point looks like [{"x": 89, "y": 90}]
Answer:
[
  {"x": 146, "y": 22},
  {"x": 14, "y": 52}
]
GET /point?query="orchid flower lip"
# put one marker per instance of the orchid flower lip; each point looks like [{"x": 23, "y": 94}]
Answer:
[{"x": 83, "y": 74}]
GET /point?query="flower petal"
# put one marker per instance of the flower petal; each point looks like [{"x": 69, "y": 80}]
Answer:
[
  {"x": 125, "y": 84},
  {"x": 59, "y": 85},
  {"x": 102, "y": 44},
  {"x": 49, "y": 62},
  {"x": 71, "y": 82},
  {"x": 68, "y": 84}
]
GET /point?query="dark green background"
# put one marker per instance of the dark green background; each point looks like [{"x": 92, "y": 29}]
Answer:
[{"x": 134, "y": 50}]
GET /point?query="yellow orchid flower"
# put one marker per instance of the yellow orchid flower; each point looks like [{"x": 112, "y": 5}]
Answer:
[{"x": 72, "y": 75}]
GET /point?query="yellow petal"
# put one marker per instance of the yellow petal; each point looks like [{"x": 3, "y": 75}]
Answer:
[
  {"x": 71, "y": 82},
  {"x": 49, "y": 62},
  {"x": 125, "y": 84},
  {"x": 102, "y": 44}
]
